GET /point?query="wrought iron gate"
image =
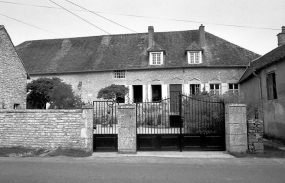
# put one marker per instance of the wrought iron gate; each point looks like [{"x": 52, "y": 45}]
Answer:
[
  {"x": 181, "y": 123},
  {"x": 105, "y": 132}
]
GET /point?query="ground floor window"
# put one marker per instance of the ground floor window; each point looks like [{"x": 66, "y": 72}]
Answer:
[
  {"x": 138, "y": 93},
  {"x": 215, "y": 89},
  {"x": 233, "y": 88},
  {"x": 194, "y": 89},
  {"x": 156, "y": 93}
]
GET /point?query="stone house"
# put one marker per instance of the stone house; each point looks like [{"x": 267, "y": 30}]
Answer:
[
  {"x": 151, "y": 64},
  {"x": 13, "y": 75},
  {"x": 263, "y": 84}
]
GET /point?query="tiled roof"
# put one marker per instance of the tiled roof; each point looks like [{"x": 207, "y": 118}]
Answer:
[
  {"x": 155, "y": 47},
  {"x": 194, "y": 47},
  {"x": 271, "y": 57},
  {"x": 129, "y": 51},
  {"x": 1, "y": 26}
]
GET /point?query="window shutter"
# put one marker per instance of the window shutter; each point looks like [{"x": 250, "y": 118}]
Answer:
[
  {"x": 269, "y": 87},
  {"x": 274, "y": 90}
]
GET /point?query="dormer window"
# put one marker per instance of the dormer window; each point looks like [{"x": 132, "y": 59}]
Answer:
[
  {"x": 156, "y": 58},
  {"x": 194, "y": 57}
]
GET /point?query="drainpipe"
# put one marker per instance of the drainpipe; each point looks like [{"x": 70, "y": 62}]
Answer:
[{"x": 260, "y": 98}]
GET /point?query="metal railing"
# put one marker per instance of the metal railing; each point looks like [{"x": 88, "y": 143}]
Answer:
[
  {"x": 181, "y": 114},
  {"x": 105, "y": 120}
]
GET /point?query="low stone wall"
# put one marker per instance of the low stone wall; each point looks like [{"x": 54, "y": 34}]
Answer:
[
  {"x": 255, "y": 136},
  {"x": 47, "y": 128}
]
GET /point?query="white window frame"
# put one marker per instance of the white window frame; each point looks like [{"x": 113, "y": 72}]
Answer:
[
  {"x": 234, "y": 90},
  {"x": 153, "y": 58},
  {"x": 119, "y": 74},
  {"x": 194, "y": 57},
  {"x": 214, "y": 91}
]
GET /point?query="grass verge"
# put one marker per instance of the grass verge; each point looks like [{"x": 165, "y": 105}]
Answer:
[{"x": 20, "y": 151}]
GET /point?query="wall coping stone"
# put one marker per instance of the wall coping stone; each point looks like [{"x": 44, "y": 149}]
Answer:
[
  {"x": 236, "y": 105},
  {"x": 40, "y": 111},
  {"x": 126, "y": 106},
  {"x": 87, "y": 106}
]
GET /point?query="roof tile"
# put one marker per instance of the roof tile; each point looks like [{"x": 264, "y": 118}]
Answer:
[
  {"x": 271, "y": 57},
  {"x": 129, "y": 51}
]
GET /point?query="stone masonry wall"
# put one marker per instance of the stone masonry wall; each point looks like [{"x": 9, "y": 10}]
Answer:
[
  {"x": 88, "y": 84},
  {"x": 255, "y": 136},
  {"x": 47, "y": 128},
  {"x": 13, "y": 76}
]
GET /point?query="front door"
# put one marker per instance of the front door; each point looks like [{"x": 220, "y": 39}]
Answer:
[{"x": 175, "y": 94}]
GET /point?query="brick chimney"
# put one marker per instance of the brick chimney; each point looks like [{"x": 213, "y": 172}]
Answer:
[
  {"x": 281, "y": 37},
  {"x": 150, "y": 36},
  {"x": 202, "y": 35}
]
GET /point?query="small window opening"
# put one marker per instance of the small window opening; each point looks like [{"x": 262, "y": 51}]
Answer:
[
  {"x": 16, "y": 106},
  {"x": 119, "y": 74}
]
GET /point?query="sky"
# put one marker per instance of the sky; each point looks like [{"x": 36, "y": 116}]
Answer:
[{"x": 251, "y": 24}]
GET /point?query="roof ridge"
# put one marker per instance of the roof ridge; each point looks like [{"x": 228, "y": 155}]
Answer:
[{"x": 103, "y": 35}]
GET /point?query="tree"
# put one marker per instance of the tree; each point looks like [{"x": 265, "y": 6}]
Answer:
[
  {"x": 54, "y": 91},
  {"x": 113, "y": 92}
]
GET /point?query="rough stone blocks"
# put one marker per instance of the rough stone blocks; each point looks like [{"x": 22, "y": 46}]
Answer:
[
  {"x": 127, "y": 129},
  {"x": 13, "y": 75},
  {"x": 47, "y": 128},
  {"x": 236, "y": 128}
]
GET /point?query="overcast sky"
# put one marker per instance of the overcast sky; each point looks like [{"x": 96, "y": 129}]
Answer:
[{"x": 228, "y": 19}]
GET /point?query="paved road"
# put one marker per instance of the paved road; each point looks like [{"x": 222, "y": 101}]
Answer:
[{"x": 140, "y": 169}]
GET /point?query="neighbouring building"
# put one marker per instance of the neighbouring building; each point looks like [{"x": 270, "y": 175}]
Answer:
[
  {"x": 13, "y": 75},
  {"x": 151, "y": 64},
  {"x": 263, "y": 84}
]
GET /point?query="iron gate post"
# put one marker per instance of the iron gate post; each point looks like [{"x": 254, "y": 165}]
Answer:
[{"x": 180, "y": 114}]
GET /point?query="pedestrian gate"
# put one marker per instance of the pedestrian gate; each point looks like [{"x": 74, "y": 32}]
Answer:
[
  {"x": 105, "y": 132},
  {"x": 181, "y": 123}
]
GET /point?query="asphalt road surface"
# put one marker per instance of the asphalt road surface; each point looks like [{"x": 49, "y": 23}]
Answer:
[{"x": 140, "y": 169}]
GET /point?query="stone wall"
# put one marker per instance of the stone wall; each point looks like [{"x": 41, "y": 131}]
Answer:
[
  {"x": 47, "y": 128},
  {"x": 13, "y": 77},
  {"x": 255, "y": 136}
]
